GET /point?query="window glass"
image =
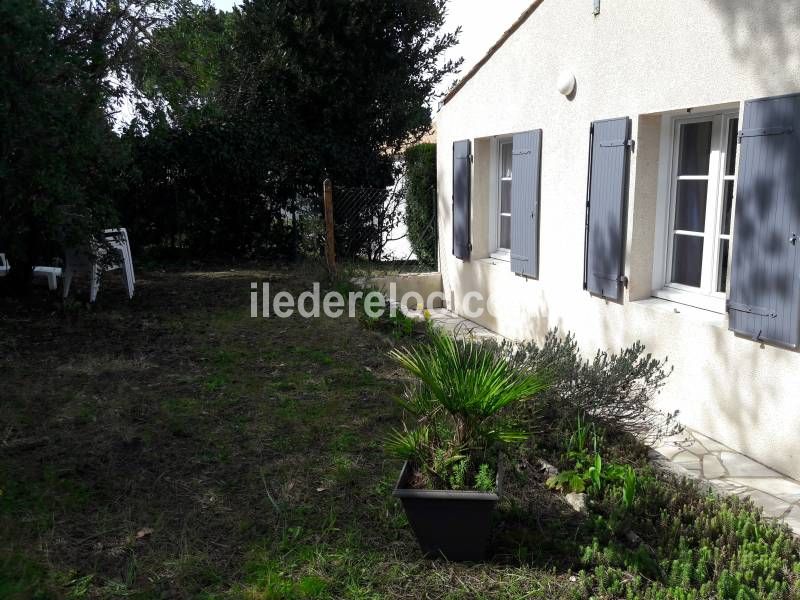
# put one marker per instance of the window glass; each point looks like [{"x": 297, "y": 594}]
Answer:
[
  {"x": 727, "y": 207},
  {"x": 505, "y": 231},
  {"x": 504, "y": 204},
  {"x": 695, "y": 148},
  {"x": 722, "y": 277},
  {"x": 506, "y": 160},
  {"x": 505, "y": 196},
  {"x": 690, "y": 205},
  {"x": 730, "y": 153},
  {"x": 687, "y": 259}
]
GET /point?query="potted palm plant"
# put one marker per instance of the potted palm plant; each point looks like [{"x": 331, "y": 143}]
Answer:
[{"x": 452, "y": 446}]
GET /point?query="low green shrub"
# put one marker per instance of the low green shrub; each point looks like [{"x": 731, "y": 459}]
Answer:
[
  {"x": 615, "y": 389},
  {"x": 395, "y": 323},
  {"x": 699, "y": 546},
  {"x": 651, "y": 536}
]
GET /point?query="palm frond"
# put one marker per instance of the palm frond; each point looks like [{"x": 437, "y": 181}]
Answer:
[
  {"x": 407, "y": 444},
  {"x": 467, "y": 378},
  {"x": 418, "y": 401}
]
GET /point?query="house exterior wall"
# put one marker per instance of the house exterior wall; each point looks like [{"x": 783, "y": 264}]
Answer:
[{"x": 638, "y": 59}]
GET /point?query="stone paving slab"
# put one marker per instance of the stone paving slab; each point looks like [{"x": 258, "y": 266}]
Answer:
[
  {"x": 715, "y": 466},
  {"x": 453, "y": 324},
  {"x": 730, "y": 472}
]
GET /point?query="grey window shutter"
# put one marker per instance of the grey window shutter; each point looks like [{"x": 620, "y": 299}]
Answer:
[
  {"x": 607, "y": 188},
  {"x": 525, "y": 195},
  {"x": 764, "y": 298},
  {"x": 461, "y": 199}
]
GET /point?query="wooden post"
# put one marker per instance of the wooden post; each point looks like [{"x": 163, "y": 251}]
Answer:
[{"x": 327, "y": 196}]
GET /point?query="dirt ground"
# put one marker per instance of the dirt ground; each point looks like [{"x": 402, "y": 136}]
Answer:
[{"x": 173, "y": 447}]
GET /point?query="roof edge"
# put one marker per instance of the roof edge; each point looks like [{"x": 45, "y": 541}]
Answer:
[{"x": 495, "y": 47}]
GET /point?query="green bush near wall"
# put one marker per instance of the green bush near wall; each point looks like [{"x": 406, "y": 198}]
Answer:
[{"x": 420, "y": 188}]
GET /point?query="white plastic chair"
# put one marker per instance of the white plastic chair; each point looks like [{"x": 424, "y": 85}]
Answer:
[
  {"x": 122, "y": 259},
  {"x": 52, "y": 274}
]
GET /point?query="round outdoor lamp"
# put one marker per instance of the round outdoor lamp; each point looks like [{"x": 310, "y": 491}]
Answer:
[{"x": 566, "y": 82}]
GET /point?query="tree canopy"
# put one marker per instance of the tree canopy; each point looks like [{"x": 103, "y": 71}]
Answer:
[
  {"x": 267, "y": 100},
  {"x": 61, "y": 164},
  {"x": 238, "y": 116}
]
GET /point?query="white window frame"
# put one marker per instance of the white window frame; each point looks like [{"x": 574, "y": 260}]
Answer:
[
  {"x": 494, "y": 199},
  {"x": 705, "y": 297}
]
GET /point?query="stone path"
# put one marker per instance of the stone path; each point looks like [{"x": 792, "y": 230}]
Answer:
[
  {"x": 459, "y": 326},
  {"x": 697, "y": 456},
  {"x": 690, "y": 453}
]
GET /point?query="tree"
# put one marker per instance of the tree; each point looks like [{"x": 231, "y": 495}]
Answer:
[
  {"x": 180, "y": 69},
  {"x": 420, "y": 195},
  {"x": 61, "y": 164},
  {"x": 348, "y": 80},
  {"x": 289, "y": 92}
]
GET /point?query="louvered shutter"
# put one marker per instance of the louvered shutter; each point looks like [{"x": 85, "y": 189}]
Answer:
[
  {"x": 461, "y": 199},
  {"x": 604, "y": 248},
  {"x": 764, "y": 298},
  {"x": 525, "y": 192}
]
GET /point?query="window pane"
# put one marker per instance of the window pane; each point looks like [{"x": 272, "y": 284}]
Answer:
[
  {"x": 505, "y": 160},
  {"x": 505, "y": 232},
  {"x": 727, "y": 207},
  {"x": 505, "y": 196},
  {"x": 690, "y": 205},
  {"x": 695, "y": 148},
  {"x": 730, "y": 152},
  {"x": 687, "y": 259},
  {"x": 722, "y": 277}
]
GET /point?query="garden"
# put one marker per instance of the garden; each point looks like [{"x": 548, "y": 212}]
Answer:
[
  {"x": 175, "y": 447},
  {"x": 166, "y": 444}
]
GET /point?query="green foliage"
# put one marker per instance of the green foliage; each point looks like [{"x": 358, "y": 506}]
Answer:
[
  {"x": 180, "y": 70},
  {"x": 568, "y": 481},
  {"x": 60, "y": 161},
  {"x": 420, "y": 194},
  {"x": 484, "y": 479},
  {"x": 458, "y": 402},
  {"x": 22, "y": 578},
  {"x": 401, "y": 325},
  {"x": 704, "y": 547},
  {"x": 615, "y": 388},
  {"x": 458, "y": 474},
  {"x": 587, "y": 469},
  {"x": 628, "y": 477},
  {"x": 249, "y": 111},
  {"x": 394, "y": 322}
]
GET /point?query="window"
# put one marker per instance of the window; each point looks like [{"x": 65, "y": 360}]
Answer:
[
  {"x": 701, "y": 188},
  {"x": 500, "y": 238}
]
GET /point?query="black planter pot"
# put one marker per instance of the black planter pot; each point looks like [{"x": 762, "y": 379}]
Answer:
[{"x": 448, "y": 524}]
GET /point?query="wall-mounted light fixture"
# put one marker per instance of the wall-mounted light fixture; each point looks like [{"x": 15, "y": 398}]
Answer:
[{"x": 566, "y": 82}]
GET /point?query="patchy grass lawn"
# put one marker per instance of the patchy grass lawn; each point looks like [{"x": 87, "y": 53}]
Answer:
[{"x": 173, "y": 447}]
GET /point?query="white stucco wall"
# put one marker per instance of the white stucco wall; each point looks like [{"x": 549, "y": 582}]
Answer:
[{"x": 637, "y": 58}]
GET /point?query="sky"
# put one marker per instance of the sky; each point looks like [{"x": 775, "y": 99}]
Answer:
[{"x": 482, "y": 23}]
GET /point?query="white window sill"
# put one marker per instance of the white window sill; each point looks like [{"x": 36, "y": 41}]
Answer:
[
  {"x": 715, "y": 304},
  {"x": 490, "y": 261},
  {"x": 504, "y": 255},
  {"x": 699, "y": 315}
]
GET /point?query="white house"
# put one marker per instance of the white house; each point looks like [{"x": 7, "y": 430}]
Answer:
[{"x": 658, "y": 200}]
